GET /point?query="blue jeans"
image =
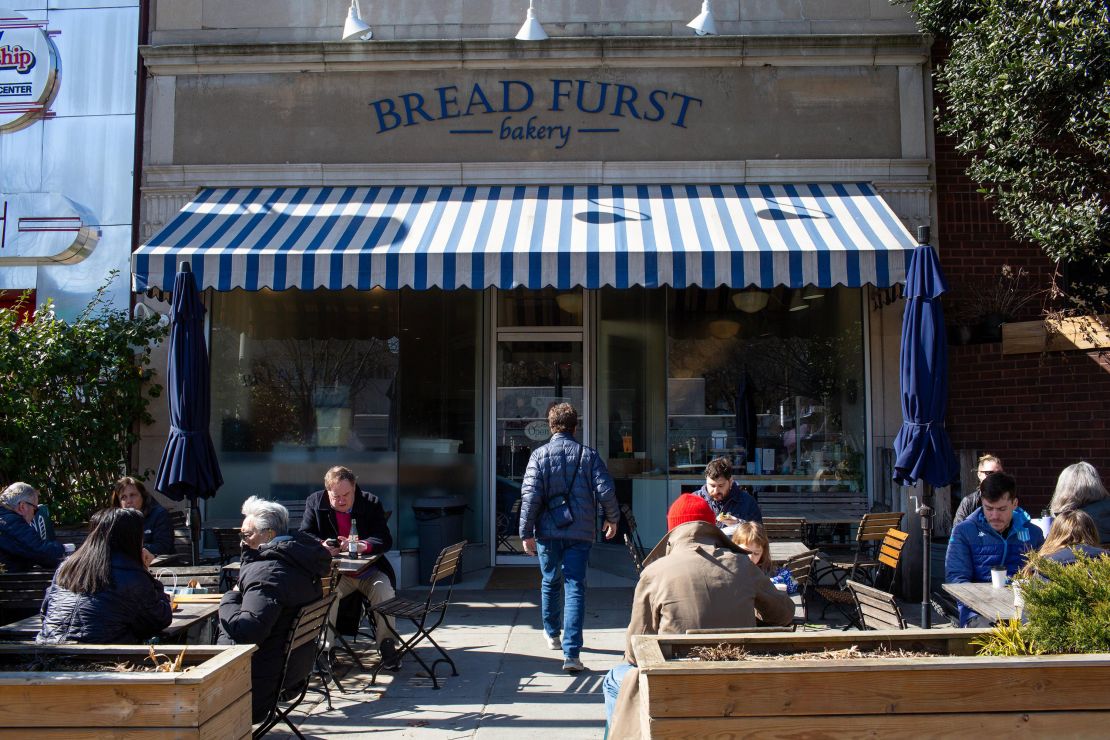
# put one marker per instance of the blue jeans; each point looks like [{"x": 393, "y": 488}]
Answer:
[
  {"x": 611, "y": 687},
  {"x": 563, "y": 593}
]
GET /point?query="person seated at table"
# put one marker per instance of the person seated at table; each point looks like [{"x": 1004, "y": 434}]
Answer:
[
  {"x": 997, "y": 534},
  {"x": 130, "y": 493},
  {"x": 104, "y": 593},
  {"x": 1080, "y": 487},
  {"x": 695, "y": 578},
  {"x": 752, "y": 538},
  {"x": 328, "y": 515},
  {"x": 280, "y": 572},
  {"x": 1072, "y": 532},
  {"x": 987, "y": 464},
  {"x": 730, "y": 503},
  {"x": 21, "y": 546}
]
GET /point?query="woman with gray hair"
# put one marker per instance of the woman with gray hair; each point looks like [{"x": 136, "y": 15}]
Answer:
[
  {"x": 21, "y": 547},
  {"x": 1080, "y": 487},
  {"x": 280, "y": 573}
]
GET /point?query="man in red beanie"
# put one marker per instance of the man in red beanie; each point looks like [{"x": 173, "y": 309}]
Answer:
[{"x": 695, "y": 578}]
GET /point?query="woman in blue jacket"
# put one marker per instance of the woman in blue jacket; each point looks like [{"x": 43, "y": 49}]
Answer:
[
  {"x": 997, "y": 534},
  {"x": 104, "y": 593},
  {"x": 130, "y": 493}
]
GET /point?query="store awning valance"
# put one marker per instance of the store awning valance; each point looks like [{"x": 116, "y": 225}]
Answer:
[{"x": 531, "y": 236}]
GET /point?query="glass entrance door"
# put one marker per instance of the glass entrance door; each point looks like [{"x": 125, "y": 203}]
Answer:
[{"x": 533, "y": 371}]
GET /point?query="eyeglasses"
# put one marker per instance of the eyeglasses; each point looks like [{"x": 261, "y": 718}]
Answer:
[{"x": 246, "y": 534}]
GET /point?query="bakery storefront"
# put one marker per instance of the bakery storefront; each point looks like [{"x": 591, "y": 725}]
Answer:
[{"x": 410, "y": 250}]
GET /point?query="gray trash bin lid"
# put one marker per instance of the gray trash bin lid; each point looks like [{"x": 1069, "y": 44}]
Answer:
[{"x": 433, "y": 507}]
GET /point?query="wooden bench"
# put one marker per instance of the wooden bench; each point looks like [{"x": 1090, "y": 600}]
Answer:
[
  {"x": 21, "y": 594},
  {"x": 833, "y": 511}
]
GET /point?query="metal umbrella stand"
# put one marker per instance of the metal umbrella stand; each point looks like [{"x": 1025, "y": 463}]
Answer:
[
  {"x": 188, "y": 468},
  {"x": 922, "y": 448}
]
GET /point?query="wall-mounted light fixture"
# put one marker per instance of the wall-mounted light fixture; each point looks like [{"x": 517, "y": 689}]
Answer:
[
  {"x": 704, "y": 25},
  {"x": 531, "y": 30},
  {"x": 356, "y": 29}
]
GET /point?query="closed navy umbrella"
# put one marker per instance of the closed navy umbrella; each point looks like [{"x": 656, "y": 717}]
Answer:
[
  {"x": 922, "y": 448},
  {"x": 189, "y": 467}
]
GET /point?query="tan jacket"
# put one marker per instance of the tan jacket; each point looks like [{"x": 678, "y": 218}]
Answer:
[{"x": 695, "y": 578}]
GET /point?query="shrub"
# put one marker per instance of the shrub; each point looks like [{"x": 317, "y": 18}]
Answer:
[
  {"x": 71, "y": 397},
  {"x": 1067, "y": 608}
]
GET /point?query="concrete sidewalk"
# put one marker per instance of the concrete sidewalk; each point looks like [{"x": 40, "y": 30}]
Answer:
[{"x": 510, "y": 684}]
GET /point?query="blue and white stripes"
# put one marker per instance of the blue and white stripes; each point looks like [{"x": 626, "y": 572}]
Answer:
[{"x": 531, "y": 236}]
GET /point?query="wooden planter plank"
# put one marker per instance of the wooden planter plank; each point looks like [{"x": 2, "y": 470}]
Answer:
[
  {"x": 214, "y": 693},
  {"x": 878, "y": 687},
  {"x": 899, "y": 697},
  {"x": 1073, "y": 725}
]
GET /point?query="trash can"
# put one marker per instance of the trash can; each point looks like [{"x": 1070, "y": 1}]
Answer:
[{"x": 439, "y": 523}]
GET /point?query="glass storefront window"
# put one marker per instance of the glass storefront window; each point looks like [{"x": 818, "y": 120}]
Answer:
[
  {"x": 440, "y": 407},
  {"x": 772, "y": 379},
  {"x": 546, "y": 307},
  {"x": 302, "y": 381}
]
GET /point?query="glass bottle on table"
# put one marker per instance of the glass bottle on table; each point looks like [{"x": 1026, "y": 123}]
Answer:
[{"x": 352, "y": 541}]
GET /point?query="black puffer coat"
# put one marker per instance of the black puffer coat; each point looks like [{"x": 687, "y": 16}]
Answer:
[
  {"x": 274, "y": 582},
  {"x": 132, "y": 610}
]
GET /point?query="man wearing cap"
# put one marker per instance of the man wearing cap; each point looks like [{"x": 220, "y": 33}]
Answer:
[{"x": 695, "y": 578}]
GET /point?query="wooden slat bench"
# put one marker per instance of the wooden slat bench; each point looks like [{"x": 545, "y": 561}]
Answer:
[{"x": 837, "y": 510}]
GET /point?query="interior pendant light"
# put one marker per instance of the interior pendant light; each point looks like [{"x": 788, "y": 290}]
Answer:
[
  {"x": 812, "y": 293},
  {"x": 750, "y": 301},
  {"x": 356, "y": 29},
  {"x": 704, "y": 25},
  {"x": 531, "y": 30},
  {"x": 796, "y": 303}
]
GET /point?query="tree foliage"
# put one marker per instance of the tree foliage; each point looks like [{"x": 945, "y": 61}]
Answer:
[
  {"x": 72, "y": 395},
  {"x": 1026, "y": 91}
]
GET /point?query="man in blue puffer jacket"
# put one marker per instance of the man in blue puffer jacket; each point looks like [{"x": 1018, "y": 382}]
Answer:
[
  {"x": 997, "y": 534},
  {"x": 564, "y": 470}
]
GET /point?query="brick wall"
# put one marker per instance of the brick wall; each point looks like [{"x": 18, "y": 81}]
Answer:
[{"x": 1039, "y": 413}]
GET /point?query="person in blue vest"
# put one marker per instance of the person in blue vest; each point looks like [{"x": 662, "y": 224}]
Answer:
[{"x": 997, "y": 534}]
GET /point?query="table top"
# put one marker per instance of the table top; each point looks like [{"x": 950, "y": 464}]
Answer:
[
  {"x": 185, "y": 616},
  {"x": 988, "y": 601},
  {"x": 347, "y": 566},
  {"x": 783, "y": 551}
]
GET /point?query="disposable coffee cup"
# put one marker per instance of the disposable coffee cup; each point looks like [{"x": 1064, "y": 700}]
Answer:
[
  {"x": 998, "y": 577},
  {"x": 1019, "y": 598},
  {"x": 781, "y": 587},
  {"x": 69, "y": 547}
]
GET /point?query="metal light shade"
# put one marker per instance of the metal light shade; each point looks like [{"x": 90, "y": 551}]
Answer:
[
  {"x": 531, "y": 30},
  {"x": 704, "y": 25},
  {"x": 750, "y": 301},
  {"x": 569, "y": 302},
  {"x": 796, "y": 303},
  {"x": 356, "y": 29},
  {"x": 812, "y": 293}
]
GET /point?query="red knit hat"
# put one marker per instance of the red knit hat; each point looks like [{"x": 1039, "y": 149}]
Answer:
[{"x": 689, "y": 508}]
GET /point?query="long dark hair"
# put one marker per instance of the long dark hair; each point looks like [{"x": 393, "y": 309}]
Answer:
[
  {"x": 89, "y": 570},
  {"x": 122, "y": 484}
]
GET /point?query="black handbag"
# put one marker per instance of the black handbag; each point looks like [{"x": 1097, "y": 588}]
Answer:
[{"x": 558, "y": 506}]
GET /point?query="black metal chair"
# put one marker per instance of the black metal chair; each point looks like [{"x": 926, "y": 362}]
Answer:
[
  {"x": 508, "y": 527},
  {"x": 889, "y": 555},
  {"x": 632, "y": 539},
  {"x": 447, "y": 567},
  {"x": 301, "y": 652}
]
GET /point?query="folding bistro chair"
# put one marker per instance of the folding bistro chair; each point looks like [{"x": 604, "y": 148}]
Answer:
[
  {"x": 890, "y": 553},
  {"x": 508, "y": 526},
  {"x": 301, "y": 651},
  {"x": 324, "y": 655},
  {"x": 634, "y": 553},
  {"x": 801, "y": 570},
  {"x": 871, "y": 532},
  {"x": 228, "y": 542},
  {"x": 446, "y": 568},
  {"x": 877, "y": 609}
]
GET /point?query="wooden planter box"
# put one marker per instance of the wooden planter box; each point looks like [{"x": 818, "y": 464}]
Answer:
[
  {"x": 960, "y": 693},
  {"x": 211, "y": 700}
]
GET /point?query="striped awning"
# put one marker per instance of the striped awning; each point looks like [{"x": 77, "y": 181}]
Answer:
[{"x": 531, "y": 236}]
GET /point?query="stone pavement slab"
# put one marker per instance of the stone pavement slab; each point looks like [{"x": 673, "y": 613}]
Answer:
[{"x": 509, "y": 684}]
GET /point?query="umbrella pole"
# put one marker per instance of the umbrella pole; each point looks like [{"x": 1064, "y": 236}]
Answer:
[
  {"x": 926, "y": 513},
  {"x": 194, "y": 528}
]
